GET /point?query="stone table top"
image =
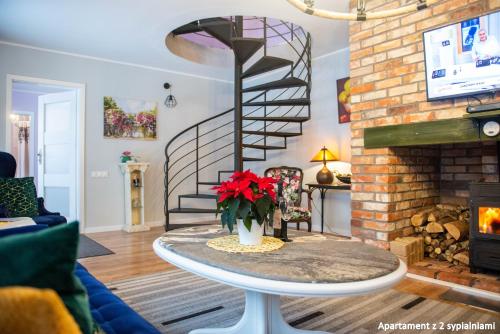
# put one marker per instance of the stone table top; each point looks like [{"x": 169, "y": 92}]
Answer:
[{"x": 309, "y": 258}]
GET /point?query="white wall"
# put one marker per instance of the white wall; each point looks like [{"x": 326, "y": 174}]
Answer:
[
  {"x": 322, "y": 129},
  {"x": 198, "y": 99}
]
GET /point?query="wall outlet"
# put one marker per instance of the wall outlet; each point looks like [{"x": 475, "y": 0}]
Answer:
[{"x": 99, "y": 173}]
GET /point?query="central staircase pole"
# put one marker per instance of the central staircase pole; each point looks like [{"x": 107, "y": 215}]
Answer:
[{"x": 238, "y": 108}]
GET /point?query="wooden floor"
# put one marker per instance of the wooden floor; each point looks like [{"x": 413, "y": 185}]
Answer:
[{"x": 134, "y": 256}]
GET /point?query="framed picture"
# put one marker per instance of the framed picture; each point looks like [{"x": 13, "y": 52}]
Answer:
[
  {"x": 344, "y": 99},
  {"x": 129, "y": 119}
]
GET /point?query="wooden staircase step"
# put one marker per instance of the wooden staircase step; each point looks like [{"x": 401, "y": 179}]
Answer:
[
  {"x": 278, "y": 84},
  {"x": 263, "y": 147},
  {"x": 272, "y": 133},
  {"x": 209, "y": 183},
  {"x": 191, "y": 210},
  {"x": 201, "y": 196},
  {"x": 244, "y": 48},
  {"x": 266, "y": 64},
  {"x": 187, "y": 28},
  {"x": 288, "y": 102},
  {"x": 219, "y": 28},
  {"x": 287, "y": 119},
  {"x": 253, "y": 159}
]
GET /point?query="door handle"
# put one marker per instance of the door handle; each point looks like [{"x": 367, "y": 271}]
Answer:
[{"x": 39, "y": 156}]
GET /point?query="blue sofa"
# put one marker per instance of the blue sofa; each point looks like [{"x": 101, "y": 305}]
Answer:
[
  {"x": 108, "y": 310},
  {"x": 8, "y": 167}
]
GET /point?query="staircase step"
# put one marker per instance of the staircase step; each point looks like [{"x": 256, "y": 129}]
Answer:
[
  {"x": 289, "y": 102},
  {"x": 244, "y": 47},
  {"x": 277, "y": 119},
  {"x": 278, "y": 84},
  {"x": 253, "y": 159},
  {"x": 266, "y": 64},
  {"x": 219, "y": 28},
  {"x": 264, "y": 147},
  {"x": 202, "y": 196},
  {"x": 209, "y": 183},
  {"x": 191, "y": 210},
  {"x": 187, "y": 28},
  {"x": 272, "y": 133}
]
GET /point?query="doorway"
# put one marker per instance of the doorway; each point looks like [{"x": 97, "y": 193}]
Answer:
[{"x": 45, "y": 127}]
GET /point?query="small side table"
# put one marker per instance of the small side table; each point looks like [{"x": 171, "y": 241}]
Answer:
[
  {"x": 6, "y": 223},
  {"x": 323, "y": 188}
]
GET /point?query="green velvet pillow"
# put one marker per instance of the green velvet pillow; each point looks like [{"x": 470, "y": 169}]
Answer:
[
  {"x": 46, "y": 259},
  {"x": 18, "y": 196}
]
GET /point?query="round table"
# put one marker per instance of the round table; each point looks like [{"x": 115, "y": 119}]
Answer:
[{"x": 311, "y": 266}]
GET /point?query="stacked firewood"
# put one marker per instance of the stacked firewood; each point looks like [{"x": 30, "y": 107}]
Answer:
[{"x": 445, "y": 230}]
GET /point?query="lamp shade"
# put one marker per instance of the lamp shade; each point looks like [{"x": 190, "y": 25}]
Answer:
[{"x": 324, "y": 155}]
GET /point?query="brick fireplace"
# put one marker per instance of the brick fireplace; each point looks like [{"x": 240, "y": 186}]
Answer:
[{"x": 391, "y": 184}]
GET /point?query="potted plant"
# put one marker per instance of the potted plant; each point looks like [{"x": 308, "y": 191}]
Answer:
[
  {"x": 126, "y": 156},
  {"x": 249, "y": 201}
]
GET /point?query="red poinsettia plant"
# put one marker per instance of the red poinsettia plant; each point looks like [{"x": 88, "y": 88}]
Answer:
[{"x": 246, "y": 196}]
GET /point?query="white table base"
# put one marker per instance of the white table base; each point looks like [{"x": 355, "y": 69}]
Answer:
[{"x": 262, "y": 316}]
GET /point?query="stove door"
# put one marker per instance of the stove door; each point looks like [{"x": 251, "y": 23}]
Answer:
[{"x": 485, "y": 218}]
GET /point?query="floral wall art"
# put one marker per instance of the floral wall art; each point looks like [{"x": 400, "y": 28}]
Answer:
[
  {"x": 129, "y": 119},
  {"x": 344, "y": 99}
]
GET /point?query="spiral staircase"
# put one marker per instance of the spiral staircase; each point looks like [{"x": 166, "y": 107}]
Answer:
[{"x": 271, "y": 102}]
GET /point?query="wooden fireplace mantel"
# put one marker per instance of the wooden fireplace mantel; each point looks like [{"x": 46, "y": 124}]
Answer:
[{"x": 457, "y": 130}]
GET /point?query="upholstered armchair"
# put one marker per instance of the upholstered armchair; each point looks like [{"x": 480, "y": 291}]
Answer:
[
  {"x": 8, "y": 167},
  {"x": 289, "y": 187}
]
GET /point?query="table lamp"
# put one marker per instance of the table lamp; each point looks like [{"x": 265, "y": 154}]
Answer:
[{"x": 324, "y": 176}]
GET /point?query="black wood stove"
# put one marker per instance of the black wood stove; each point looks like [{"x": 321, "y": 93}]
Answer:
[{"x": 485, "y": 226}]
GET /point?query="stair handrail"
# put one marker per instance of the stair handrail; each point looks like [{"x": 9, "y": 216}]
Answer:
[{"x": 194, "y": 126}]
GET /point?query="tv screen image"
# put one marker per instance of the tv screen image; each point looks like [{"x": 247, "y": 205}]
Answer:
[{"x": 463, "y": 59}]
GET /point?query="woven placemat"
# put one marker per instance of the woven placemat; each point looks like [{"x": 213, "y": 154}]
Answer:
[{"x": 231, "y": 244}]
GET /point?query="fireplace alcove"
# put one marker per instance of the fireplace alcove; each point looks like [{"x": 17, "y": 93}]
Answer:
[{"x": 447, "y": 162}]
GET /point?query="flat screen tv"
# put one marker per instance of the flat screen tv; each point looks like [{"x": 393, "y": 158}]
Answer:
[{"x": 463, "y": 59}]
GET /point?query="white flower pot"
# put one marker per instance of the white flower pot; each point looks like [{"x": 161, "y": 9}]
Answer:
[{"x": 252, "y": 237}]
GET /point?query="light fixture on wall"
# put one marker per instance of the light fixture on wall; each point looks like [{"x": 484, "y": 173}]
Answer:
[
  {"x": 307, "y": 6},
  {"x": 23, "y": 127},
  {"x": 170, "y": 101},
  {"x": 324, "y": 176}
]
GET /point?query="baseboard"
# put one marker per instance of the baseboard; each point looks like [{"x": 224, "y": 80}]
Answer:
[
  {"x": 153, "y": 223},
  {"x": 458, "y": 287},
  {"x": 108, "y": 228}
]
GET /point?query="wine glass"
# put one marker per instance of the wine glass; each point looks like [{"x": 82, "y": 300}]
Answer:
[
  {"x": 285, "y": 210},
  {"x": 286, "y": 214}
]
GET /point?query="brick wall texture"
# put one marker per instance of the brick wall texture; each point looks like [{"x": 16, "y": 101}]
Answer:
[{"x": 388, "y": 87}]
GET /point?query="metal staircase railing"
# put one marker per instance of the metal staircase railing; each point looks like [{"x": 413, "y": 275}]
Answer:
[{"x": 205, "y": 149}]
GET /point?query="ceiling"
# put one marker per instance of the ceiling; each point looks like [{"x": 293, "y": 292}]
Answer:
[{"x": 134, "y": 32}]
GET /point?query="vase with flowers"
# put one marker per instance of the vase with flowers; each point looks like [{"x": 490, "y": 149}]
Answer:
[
  {"x": 126, "y": 157},
  {"x": 248, "y": 201}
]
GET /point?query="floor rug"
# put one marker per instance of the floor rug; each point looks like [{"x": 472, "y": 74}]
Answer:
[
  {"x": 177, "y": 302},
  {"x": 88, "y": 247}
]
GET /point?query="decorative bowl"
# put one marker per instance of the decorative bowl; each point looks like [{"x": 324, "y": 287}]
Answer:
[{"x": 344, "y": 178}]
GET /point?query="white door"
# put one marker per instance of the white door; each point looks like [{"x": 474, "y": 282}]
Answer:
[{"x": 57, "y": 152}]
